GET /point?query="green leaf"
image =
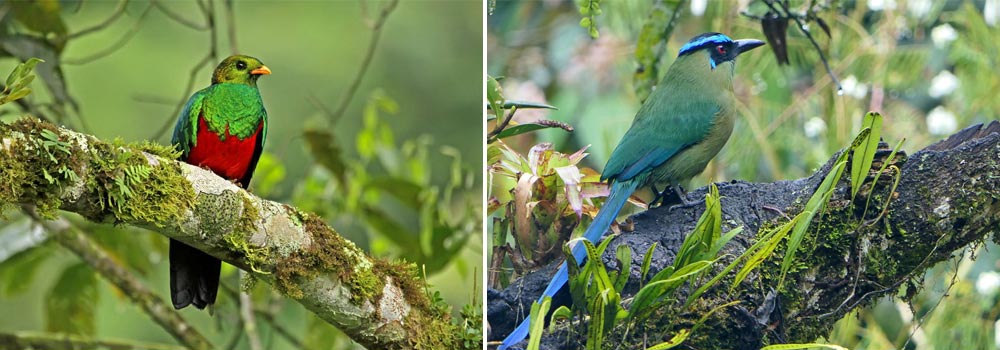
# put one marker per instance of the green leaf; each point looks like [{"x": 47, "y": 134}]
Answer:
[
  {"x": 652, "y": 292},
  {"x": 19, "y": 270},
  {"x": 864, "y": 154},
  {"x": 403, "y": 190},
  {"x": 327, "y": 152},
  {"x": 721, "y": 242},
  {"x": 816, "y": 204},
  {"x": 17, "y": 95},
  {"x": 585, "y": 22},
  {"x": 624, "y": 255},
  {"x": 383, "y": 223},
  {"x": 705, "y": 233},
  {"x": 71, "y": 303},
  {"x": 885, "y": 164},
  {"x": 561, "y": 313},
  {"x": 676, "y": 340},
  {"x": 762, "y": 249},
  {"x": 494, "y": 95},
  {"x": 595, "y": 334},
  {"x": 537, "y": 316},
  {"x": 646, "y": 261}
]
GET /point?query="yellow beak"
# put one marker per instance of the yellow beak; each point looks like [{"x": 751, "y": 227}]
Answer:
[{"x": 263, "y": 70}]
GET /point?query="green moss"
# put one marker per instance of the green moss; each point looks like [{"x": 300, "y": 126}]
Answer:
[
  {"x": 405, "y": 276},
  {"x": 38, "y": 162},
  {"x": 432, "y": 332},
  {"x": 328, "y": 251},
  {"x": 130, "y": 189}
]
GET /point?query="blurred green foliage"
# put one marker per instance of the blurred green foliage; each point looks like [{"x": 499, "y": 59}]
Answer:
[
  {"x": 922, "y": 64},
  {"x": 397, "y": 173}
]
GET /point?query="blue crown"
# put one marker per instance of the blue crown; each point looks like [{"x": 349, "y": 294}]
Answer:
[{"x": 702, "y": 41}]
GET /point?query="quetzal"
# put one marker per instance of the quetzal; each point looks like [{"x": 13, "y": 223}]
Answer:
[
  {"x": 682, "y": 125},
  {"x": 222, "y": 128}
]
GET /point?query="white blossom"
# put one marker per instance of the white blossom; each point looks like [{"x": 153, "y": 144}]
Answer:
[
  {"x": 940, "y": 121},
  {"x": 919, "y": 8},
  {"x": 987, "y": 283},
  {"x": 698, "y": 7},
  {"x": 943, "y": 34},
  {"x": 991, "y": 12},
  {"x": 879, "y": 5},
  {"x": 943, "y": 84},
  {"x": 852, "y": 87},
  {"x": 814, "y": 127}
]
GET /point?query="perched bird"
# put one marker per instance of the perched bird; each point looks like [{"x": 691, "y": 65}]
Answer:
[
  {"x": 677, "y": 131},
  {"x": 222, "y": 128}
]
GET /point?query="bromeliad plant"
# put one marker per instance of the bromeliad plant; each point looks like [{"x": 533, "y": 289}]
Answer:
[{"x": 542, "y": 197}]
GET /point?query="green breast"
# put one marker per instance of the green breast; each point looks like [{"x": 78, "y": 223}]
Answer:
[{"x": 238, "y": 106}]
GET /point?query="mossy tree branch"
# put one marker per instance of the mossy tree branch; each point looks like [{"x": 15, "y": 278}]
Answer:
[
  {"x": 379, "y": 304},
  {"x": 947, "y": 199}
]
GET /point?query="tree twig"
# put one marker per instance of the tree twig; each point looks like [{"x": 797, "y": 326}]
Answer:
[
  {"x": 35, "y": 340},
  {"x": 231, "y": 26},
  {"x": 77, "y": 242},
  {"x": 115, "y": 46},
  {"x": 187, "y": 92},
  {"x": 802, "y": 27},
  {"x": 366, "y": 62},
  {"x": 249, "y": 321},
  {"x": 178, "y": 18},
  {"x": 122, "y": 4}
]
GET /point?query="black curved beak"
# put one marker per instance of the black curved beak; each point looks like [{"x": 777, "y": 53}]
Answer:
[{"x": 744, "y": 45}]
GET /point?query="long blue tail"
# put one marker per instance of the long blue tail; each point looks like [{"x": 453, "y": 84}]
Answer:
[{"x": 620, "y": 191}]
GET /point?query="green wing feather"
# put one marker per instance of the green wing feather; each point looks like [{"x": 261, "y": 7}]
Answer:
[
  {"x": 186, "y": 130},
  {"x": 665, "y": 125}
]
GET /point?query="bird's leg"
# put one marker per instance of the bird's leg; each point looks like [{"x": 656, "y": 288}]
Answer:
[
  {"x": 683, "y": 197},
  {"x": 657, "y": 196}
]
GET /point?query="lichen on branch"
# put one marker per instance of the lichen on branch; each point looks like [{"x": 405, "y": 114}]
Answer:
[{"x": 380, "y": 304}]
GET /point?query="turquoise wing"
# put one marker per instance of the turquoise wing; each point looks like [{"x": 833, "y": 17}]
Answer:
[
  {"x": 664, "y": 125},
  {"x": 186, "y": 130}
]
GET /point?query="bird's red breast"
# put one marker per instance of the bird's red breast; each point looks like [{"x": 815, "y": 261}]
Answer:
[{"x": 228, "y": 157}]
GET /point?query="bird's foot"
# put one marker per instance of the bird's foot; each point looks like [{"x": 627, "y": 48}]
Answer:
[
  {"x": 682, "y": 195},
  {"x": 658, "y": 196}
]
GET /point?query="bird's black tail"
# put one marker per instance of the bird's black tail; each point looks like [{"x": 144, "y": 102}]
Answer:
[{"x": 194, "y": 276}]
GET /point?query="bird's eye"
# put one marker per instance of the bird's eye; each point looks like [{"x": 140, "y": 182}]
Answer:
[
  {"x": 241, "y": 65},
  {"x": 721, "y": 49}
]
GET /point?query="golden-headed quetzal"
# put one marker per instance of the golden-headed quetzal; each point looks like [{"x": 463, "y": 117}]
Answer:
[
  {"x": 682, "y": 125},
  {"x": 222, "y": 128}
]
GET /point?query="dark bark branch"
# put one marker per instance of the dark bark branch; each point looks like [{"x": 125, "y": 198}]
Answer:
[{"x": 947, "y": 199}]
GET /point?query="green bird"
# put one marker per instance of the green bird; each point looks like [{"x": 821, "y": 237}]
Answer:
[
  {"x": 222, "y": 128},
  {"x": 677, "y": 131}
]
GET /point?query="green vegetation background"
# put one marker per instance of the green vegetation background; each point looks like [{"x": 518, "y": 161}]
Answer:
[
  {"x": 928, "y": 66},
  {"x": 412, "y": 121}
]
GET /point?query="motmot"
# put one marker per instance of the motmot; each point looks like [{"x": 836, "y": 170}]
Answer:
[{"x": 681, "y": 126}]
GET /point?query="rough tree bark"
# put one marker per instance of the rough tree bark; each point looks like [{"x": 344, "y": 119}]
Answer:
[
  {"x": 948, "y": 197},
  {"x": 380, "y": 304}
]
